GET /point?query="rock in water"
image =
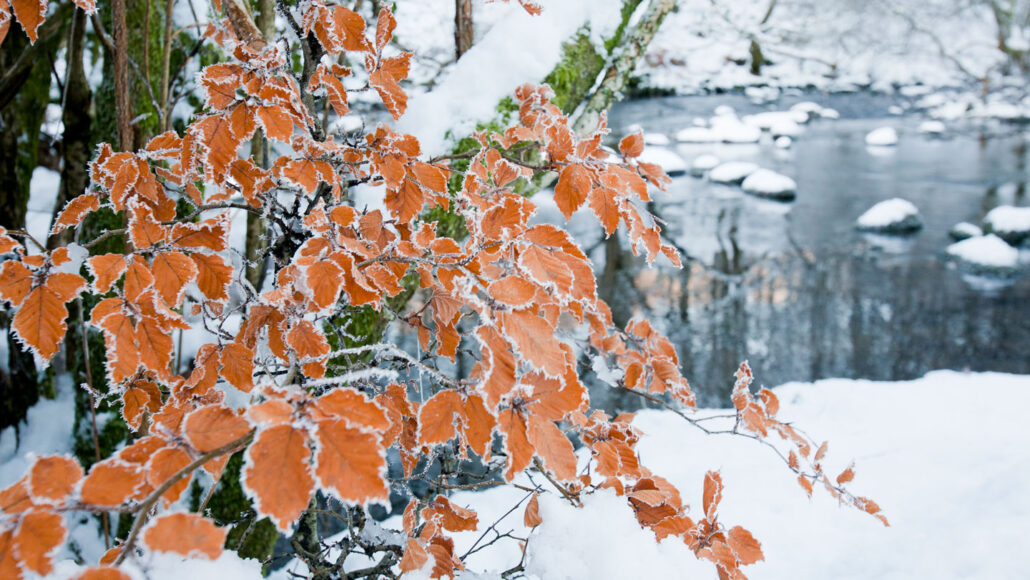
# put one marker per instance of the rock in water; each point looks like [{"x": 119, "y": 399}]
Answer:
[
  {"x": 894, "y": 216},
  {"x": 732, "y": 172},
  {"x": 768, "y": 183},
  {"x": 703, "y": 164},
  {"x": 882, "y": 137},
  {"x": 670, "y": 162},
  {"x": 1009, "y": 223},
  {"x": 964, "y": 231},
  {"x": 986, "y": 255}
]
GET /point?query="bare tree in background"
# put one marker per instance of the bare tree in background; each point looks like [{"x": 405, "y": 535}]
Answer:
[{"x": 464, "y": 30}]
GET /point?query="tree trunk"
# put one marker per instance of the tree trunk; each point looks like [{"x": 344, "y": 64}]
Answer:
[
  {"x": 633, "y": 47},
  {"x": 464, "y": 30},
  {"x": 122, "y": 102},
  {"x": 265, "y": 21},
  {"x": 76, "y": 142}
]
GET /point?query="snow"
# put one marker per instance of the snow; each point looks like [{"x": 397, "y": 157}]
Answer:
[
  {"x": 784, "y": 142},
  {"x": 945, "y": 456},
  {"x": 729, "y": 129},
  {"x": 732, "y": 171},
  {"x": 696, "y": 135},
  {"x": 40, "y": 434},
  {"x": 659, "y": 139},
  {"x": 932, "y": 127},
  {"x": 1007, "y": 219},
  {"x": 42, "y": 197},
  {"x": 669, "y": 161},
  {"x": 704, "y": 163},
  {"x": 964, "y": 230},
  {"x": 882, "y": 137},
  {"x": 768, "y": 183},
  {"x": 891, "y": 214},
  {"x": 988, "y": 251},
  {"x": 520, "y": 48}
]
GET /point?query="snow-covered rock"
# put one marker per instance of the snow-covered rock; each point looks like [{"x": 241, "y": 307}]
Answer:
[
  {"x": 785, "y": 128},
  {"x": 964, "y": 231},
  {"x": 808, "y": 108},
  {"x": 932, "y": 127},
  {"x": 659, "y": 139},
  {"x": 768, "y": 183},
  {"x": 893, "y": 216},
  {"x": 784, "y": 142},
  {"x": 672, "y": 163},
  {"x": 882, "y": 137},
  {"x": 703, "y": 164},
  {"x": 732, "y": 171},
  {"x": 730, "y": 129},
  {"x": 724, "y": 111},
  {"x": 696, "y": 135},
  {"x": 829, "y": 113},
  {"x": 986, "y": 255},
  {"x": 1009, "y": 223}
]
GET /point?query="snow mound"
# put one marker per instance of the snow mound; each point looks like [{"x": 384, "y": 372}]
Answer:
[
  {"x": 768, "y": 183},
  {"x": 988, "y": 254},
  {"x": 784, "y": 142},
  {"x": 732, "y": 171},
  {"x": 894, "y": 216},
  {"x": 829, "y": 113},
  {"x": 703, "y": 164},
  {"x": 1010, "y": 223},
  {"x": 672, "y": 163},
  {"x": 730, "y": 129},
  {"x": 659, "y": 139},
  {"x": 882, "y": 137},
  {"x": 963, "y": 231},
  {"x": 696, "y": 135},
  {"x": 932, "y": 127}
]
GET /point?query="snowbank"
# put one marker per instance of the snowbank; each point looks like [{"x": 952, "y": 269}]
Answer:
[
  {"x": 894, "y": 216},
  {"x": 520, "y": 48},
  {"x": 986, "y": 254},
  {"x": 768, "y": 183}
]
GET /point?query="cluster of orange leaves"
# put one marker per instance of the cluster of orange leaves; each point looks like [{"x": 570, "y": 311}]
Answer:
[{"x": 514, "y": 285}]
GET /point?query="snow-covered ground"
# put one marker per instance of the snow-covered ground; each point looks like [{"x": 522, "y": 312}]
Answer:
[{"x": 946, "y": 456}]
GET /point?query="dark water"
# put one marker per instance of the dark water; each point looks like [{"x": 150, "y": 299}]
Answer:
[{"x": 794, "y": 288}]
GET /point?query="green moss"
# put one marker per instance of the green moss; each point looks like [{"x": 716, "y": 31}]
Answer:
[
  {"x": 628, "y": 7},
  {"x": 250, "y": 537},
  {"x": 575, "y": 74}
]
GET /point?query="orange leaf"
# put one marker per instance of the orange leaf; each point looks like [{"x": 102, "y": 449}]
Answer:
[
  {"x": 31, "y": 14},
  {"x": 350, "y": 463},
  {"x": 38, "y": 537},
  {"x": 39, "y": 323},
  {"x": 513, "y": 291},
  {"x": 415, "y": 556},
  {"x": 553, "y": 447},
  {"x": 213, "y": 276},
  {"x": 534, "y": 339},
  {"x": 602, "y": 201},
  {"x": 106, "y": 269},
  {"x": 214, "y": 426},
  {"x": 185, "y": 534},
  {"x": 278, "y": 475},
  {"x": 712, "y": 494},
  {"x": 54, "y": 477},
  {"x": 74, "y": 212},
  {"x": 238, "y": 366},
  {"x": 546, "y": 269},
  {"x": 520, "y": 452},
  {"x": 745, "y": 546},
  {"x": 572, "y": 189},
  {"x": 405, "y": 202},
  {"x": 15, "y": 282},
  {"x": 138, "y": 279},
  {"x": 172, "y": 272},
  {"x": 436, "y": 418},
  {"x": 162, "y": 466},
  {"x": 102, "y": 573},
  {"x": 531, "y": 518},
  {"x": 846, "y": 475},
  {"x": 632, "y": 145},
  {"x": 111, "y": 483},
  {"x": 805, "y": 484},
  {"x": 452, "y": 517},
  {"x": 309, "y": 343},
  {"x": 138, "y": 400}
]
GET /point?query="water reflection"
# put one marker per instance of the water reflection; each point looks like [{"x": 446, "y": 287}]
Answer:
[{"x": 800, "y": 294}]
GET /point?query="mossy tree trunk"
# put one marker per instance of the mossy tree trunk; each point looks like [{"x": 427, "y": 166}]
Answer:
[{"x": 25, "y": 78}]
